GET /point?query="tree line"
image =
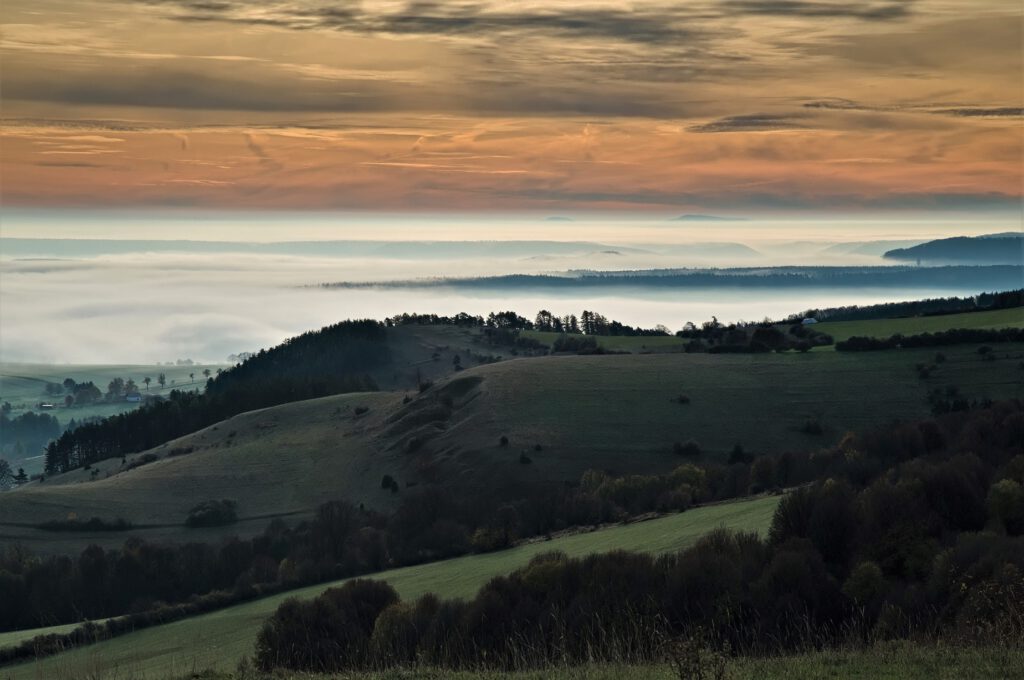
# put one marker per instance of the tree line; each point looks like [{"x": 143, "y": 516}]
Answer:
[
  {"x": 928, "y": 307},
  {"x": 956, "y": 336},
  {"x": 332, "y": 360},
  {"x": 917, "y": 534}
]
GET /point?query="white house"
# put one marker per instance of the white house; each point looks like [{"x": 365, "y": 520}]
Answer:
[{"x": 808, "y": 321}]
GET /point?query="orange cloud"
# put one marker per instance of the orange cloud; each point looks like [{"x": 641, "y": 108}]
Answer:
[{"x": 726, "y": 104}]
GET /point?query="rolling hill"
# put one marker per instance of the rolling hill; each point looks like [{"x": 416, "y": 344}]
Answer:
[
  {"x": 618, "y": 413},
  {"x": 994, "y": 249}
]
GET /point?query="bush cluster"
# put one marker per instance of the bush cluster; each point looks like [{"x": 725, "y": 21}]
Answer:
[
  {"x": 212, "y": 514},
  {"x": 958, "y": 336}
]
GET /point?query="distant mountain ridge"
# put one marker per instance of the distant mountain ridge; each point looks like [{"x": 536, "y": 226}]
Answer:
[
  {"x": 707, "y": 218},
  {"x": 989, "y": 277},
  {"x": 991, "y": 249}
]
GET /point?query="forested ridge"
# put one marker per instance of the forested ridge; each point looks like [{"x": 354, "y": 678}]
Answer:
[
  {"x": 975, "y": 249},
  {"x": 332, "y": 360}
]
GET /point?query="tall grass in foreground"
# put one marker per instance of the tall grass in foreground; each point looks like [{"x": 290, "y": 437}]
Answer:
[{"x": 901, "y": 660}]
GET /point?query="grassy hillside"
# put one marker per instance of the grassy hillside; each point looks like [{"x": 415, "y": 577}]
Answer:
[
  {"x": 620, "y": 343},
  {"x": 883, "y": 328},
  {"x": 617, "y": 413},
  {"x": 883, "y": 661},
  {"x": 220, "y": 638}
]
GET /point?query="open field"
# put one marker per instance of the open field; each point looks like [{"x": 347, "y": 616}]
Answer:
[
  {"x": 883, "y": 328},
  {"x": 617, "y": 413},
  {"x": 220, "y": 638}
]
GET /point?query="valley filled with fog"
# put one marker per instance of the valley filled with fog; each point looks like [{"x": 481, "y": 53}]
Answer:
[{"x": 152, "y": 299}]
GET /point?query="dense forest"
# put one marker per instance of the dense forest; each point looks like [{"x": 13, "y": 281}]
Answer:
[{"x": 331, "y": 360}]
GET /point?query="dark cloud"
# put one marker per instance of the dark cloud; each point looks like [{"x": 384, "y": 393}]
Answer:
[
  {"x": 838, "y": 104},
  {"x": 666, "y": 23},
  {"x": 883, "y": 10},
  {"x": 753, "y": 122},
  {"x": 659, "y": 25},
  {"x": 252, "y": 87},
  {"x": 165, "y": 85},
  {"x": 57, "y": 164},
  {"x": 980, "y": 112}
]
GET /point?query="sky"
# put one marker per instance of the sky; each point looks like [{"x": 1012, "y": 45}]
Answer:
[{"x": 734, "y": 107}]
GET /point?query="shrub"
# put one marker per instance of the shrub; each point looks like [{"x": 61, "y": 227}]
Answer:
[
  {"x": 328, "y": 634},
  {"x": 1006, "y": 505},
  {"x": 144, "y": 459},
  {"x": 360, "y": 410},
  {"x": 212, "y": 514},
  {"x": 739, "y": 455},
  {"x": 524, "y": 459},
  {"x": 812, "y": 426},
  {"x": 488, "y": 539},
  {"x": 687, "y": 448},
  {"x": 503, "y": 441},
  {"x": 389, "y": 482},
  {"x": 580, "y": 344}
]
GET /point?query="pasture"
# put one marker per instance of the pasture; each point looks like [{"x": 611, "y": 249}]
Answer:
[
  {"x": 219, "y": 639},
  {"x": 883, "y": 328},
  {"x": 619, "y": 413}
]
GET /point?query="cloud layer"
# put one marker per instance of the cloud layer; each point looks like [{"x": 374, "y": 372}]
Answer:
[{"x": 599, "y": 104}]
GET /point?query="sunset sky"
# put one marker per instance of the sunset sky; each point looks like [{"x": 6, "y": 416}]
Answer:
[{"x": 732, "y": 107}]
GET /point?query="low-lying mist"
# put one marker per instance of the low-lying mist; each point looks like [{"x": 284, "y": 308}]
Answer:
[{"x": 142, "y": 307}]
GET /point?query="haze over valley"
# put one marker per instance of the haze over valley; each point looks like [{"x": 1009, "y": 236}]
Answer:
[{"x": 218, "y": 291}]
